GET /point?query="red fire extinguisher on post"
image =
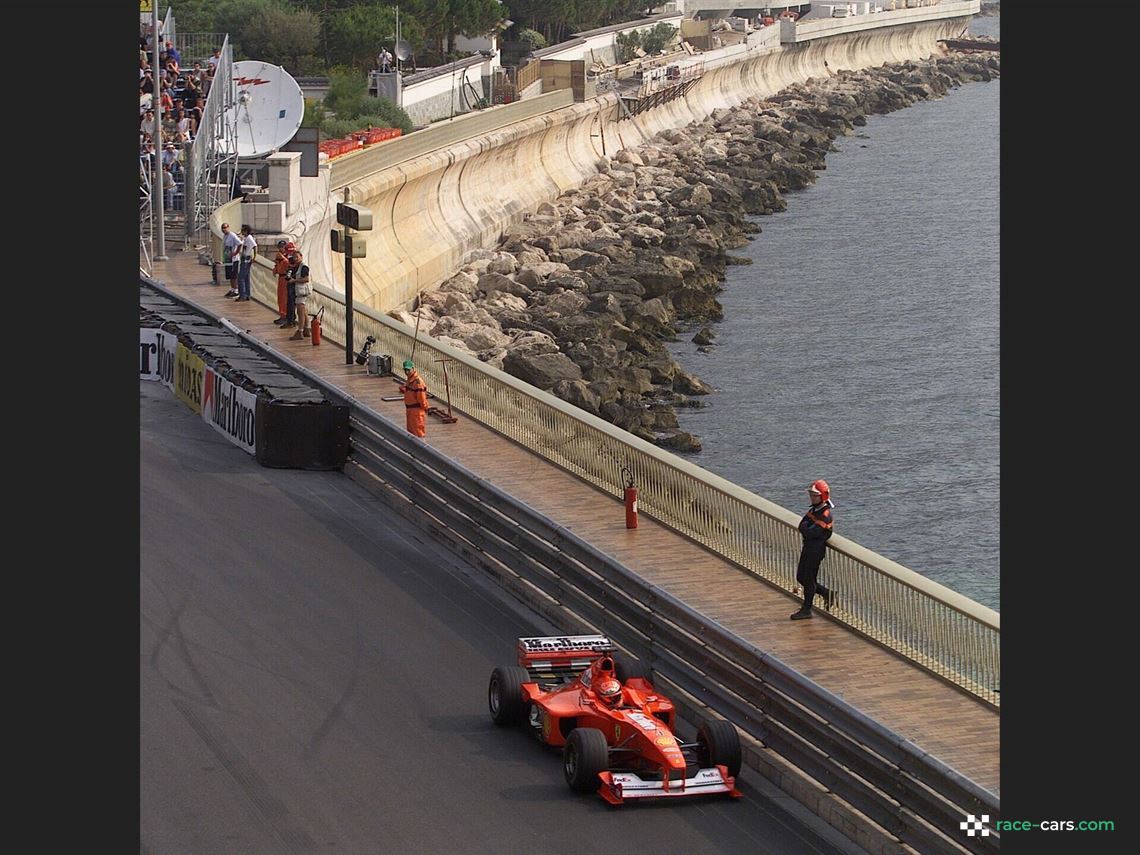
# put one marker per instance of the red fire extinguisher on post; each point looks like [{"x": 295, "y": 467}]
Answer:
[
  {"x": 630, "y": 499},
  {"x": 315, "y": 327}
]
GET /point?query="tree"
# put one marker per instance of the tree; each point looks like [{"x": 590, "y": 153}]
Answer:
[
  {"x": 191, "y": 16},
  {"x": 443, "y": 20},
  {"x": 657, "y": 38},
  {"x": 356, "y": 35},
  {"x": 533, "y": 39},
  {"x": 269, "y": 30}
]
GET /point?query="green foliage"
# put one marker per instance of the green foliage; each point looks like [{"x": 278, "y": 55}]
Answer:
[
  {"x": 651, "y": 41},
  {"x": 557, "y": 19},
  {"x": 356, "y": 35},
  {"x": 533, "y": 39},
  {"x": 354, "y": 108},
  {"x": 443, "y": 20},
  {"x": 191, "y": 16},
  {"x": 270, "y": 30},
  {"x": 627, "y": 45},
  {"x": 655, "y": 40},
  {"x": 384, "y": 113},
  {"x": 337, "y": 128},
  {"x": 347, "y": 93},
  {"x": 315, "y": 114}
]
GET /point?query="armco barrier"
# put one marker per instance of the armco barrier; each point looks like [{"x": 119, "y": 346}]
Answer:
[{"x": 912, "y": 796}]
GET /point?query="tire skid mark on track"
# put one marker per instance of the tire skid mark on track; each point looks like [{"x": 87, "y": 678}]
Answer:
[
  {"x": 275, "y": 813},
  {"x": 334, "y": 713},
  {"x": 174, "y": 626}
]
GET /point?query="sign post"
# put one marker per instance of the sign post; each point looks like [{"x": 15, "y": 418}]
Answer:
[{"x": 353, "y": 218}]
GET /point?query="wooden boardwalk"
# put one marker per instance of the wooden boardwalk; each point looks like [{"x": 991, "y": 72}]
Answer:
[{"x": 951, "y": 726}]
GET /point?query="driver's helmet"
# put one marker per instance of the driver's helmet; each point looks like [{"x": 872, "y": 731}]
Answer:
[{"x": 609, "y": 690}]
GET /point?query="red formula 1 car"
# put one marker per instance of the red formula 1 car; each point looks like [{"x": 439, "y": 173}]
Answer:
[{"x": 615, "y": 730}]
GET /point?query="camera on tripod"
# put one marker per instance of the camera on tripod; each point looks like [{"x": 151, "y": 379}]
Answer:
[{"x": 362, "y": 357}]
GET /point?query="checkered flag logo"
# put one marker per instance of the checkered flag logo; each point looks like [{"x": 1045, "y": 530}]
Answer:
[{"x": 972, "y": 825}]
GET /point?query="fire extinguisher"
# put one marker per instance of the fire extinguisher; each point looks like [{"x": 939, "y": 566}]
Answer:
[
  {"x": 630, "y": 499},
  {"x": 315, "y": 327}
]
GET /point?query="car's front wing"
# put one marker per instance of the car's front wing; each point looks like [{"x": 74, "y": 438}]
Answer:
[{"x": 616, "y": 787}]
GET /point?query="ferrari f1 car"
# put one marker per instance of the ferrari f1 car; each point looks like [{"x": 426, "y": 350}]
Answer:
[{"x": 616, "y": 731}]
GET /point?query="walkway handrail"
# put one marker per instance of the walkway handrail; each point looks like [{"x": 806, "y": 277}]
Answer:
[{"x": 939, "y": 629}]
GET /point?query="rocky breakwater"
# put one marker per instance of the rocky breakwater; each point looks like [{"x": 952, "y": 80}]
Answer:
[{"x": 582, "y": 297}]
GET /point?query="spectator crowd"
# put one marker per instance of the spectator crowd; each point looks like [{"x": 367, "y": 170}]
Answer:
[{"x": 179, "y": 95}]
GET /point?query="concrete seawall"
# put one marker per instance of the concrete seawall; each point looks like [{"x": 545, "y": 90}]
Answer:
[{"x": 430, "y": 210}]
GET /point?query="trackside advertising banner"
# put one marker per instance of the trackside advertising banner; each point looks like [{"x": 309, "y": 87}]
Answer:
[
  {"x": 188, "y": 371},
  {"x": 230, "y": 409},
  {"x": 157, "y": 352}
]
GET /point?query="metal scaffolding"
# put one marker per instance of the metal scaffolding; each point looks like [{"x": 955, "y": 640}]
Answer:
[{"x": 212, "y": 163}]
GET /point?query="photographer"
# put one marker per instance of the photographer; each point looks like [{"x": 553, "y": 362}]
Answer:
[{"x": 300, "y": 286}]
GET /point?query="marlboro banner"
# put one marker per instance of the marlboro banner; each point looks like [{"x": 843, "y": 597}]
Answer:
[{"x": 230, "y": 410}]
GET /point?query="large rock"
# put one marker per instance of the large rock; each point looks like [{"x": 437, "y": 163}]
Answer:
[
  {"x": 533, "y": 342},
  {"x": 643, "y": 235},
  {"x": 581, "y": 259},
  {"x": 541, "y": 370},
  {"x": 529, "y": 230},
  {"x": 681, "y": 441},
  {"x": 500, "y": 301},
  {"x": 566, "y": 303},
  {"x": 504, "y": 263},
  {"x": 530, "y": 255},
  {"x": 628, "y": 155},
  {"x": 489, "y": 282},
  {"x": 635, "y": 381},
  {"x": 654, "y": 315},
  {"x": 578, "y": 393},
  {"x": 690, "y": 384},
  {"x": 465, "y": 282},
  {"x": 475, "y": 337}
]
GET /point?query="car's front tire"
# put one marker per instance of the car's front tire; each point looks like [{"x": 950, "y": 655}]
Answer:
[
  {"x": 583, "y": 757},
  {"x": 718, "y": 744}
]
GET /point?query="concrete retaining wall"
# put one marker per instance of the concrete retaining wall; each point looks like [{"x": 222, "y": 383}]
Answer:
[{"x": 429, "y": 211}]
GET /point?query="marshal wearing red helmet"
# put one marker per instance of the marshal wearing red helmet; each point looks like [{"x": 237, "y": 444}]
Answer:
[
  {"x": 820, "y": 486},
  {"x": 816, "y": 527}
]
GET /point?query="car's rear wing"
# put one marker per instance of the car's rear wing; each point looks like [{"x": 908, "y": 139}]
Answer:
[{"x": 560, "y": 657}]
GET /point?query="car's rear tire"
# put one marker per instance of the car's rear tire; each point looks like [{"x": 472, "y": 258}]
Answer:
[
  {"x": 583, "y": 757},
  {"x": 718, "y": 744},
  {"x": 504, "y": 694},
  {"x": 627, "y": 667}
]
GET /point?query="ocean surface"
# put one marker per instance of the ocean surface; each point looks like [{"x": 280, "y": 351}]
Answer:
[{"x": 862, "y": 344}]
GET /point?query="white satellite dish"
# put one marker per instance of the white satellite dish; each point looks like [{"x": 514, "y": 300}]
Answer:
[{"x": 269, "y": 107}]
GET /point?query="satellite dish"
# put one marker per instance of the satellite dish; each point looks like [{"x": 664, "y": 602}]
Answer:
[
  {"x": 403, "y": 50},
  {"x": 269, "y": 107}
]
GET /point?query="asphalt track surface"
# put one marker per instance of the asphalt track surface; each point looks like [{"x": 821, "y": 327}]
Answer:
[{"x": 313, "y": 674}]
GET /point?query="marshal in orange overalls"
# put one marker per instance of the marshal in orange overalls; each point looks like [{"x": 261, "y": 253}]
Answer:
[
  {"x": 281, "y": 267},
  {"x": 415, "y": 400}
]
